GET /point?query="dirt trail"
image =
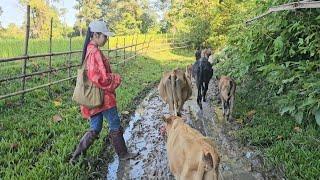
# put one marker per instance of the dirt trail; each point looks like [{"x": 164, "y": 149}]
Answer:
[{"x": 143, "y": 135}]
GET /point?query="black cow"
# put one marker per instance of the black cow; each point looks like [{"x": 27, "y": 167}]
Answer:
[
  {"x": 197, "y": 54},
  {"x": 202, "y": 71}
]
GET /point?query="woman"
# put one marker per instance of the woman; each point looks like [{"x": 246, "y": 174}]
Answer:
[{"x": 99, "y": 72}]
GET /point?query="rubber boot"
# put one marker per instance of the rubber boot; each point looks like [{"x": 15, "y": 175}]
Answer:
[
  {"x": 86, "y": 141},
  {"x": 117, "y": 140}
]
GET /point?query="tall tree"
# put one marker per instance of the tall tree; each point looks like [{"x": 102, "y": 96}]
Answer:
[
  {"x": 128, "y": 16},
  {"x": 191, "y": 17},
  {"x": 41, "y": 13},
  {"x": 88, "y": 10},
  {"x": 207, "y": 21},
  {"x": 123, "y": 16}
]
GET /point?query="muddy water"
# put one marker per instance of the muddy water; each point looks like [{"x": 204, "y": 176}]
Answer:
[{"x": 143, "y": 136}]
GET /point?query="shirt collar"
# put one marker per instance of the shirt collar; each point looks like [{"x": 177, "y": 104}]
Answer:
[{"x": 91, "y": 43}]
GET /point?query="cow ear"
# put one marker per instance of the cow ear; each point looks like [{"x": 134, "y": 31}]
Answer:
[
  {"x": 208, "y": 161},
  {"x": 167, "y": 118}
]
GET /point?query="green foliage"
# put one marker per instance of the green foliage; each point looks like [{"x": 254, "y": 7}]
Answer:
[
  {"x": 207, "y": 23},
  {"x": 282, "y": 48},
  {"x": 11, "y": 32},
  {"x": 41, "y": 13},
  {"x": 127, "y": 17},
  {"x": 286, "y": 145},
  {"x": 88, "y": 10}
]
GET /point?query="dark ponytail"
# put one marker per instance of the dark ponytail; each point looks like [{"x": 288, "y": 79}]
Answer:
[{"x": 85, "y": 45}]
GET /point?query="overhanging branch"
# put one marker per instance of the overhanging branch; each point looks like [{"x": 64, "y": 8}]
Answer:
[{"x": 289, "y": 6}]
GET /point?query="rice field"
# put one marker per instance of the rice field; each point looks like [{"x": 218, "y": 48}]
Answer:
[{"x": 15, "y": 47}]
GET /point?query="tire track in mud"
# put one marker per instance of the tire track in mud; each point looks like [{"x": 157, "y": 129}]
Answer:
[{"x": 143, "y": 136}]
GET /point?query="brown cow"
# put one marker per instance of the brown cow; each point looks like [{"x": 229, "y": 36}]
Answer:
[
  {"x": 227, "y": 89},
  {"x": 190, "y": 154},
  {"x": 175, "y": 89}
]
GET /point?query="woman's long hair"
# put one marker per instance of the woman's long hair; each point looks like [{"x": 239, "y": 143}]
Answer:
[{"x": 85, "y": 45}]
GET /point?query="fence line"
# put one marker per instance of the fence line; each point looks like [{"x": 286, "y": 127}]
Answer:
[
  {"x": 139, "y": 49},
  {"x": 144, "y": 46},
  {"x": 2, "y": 60}
]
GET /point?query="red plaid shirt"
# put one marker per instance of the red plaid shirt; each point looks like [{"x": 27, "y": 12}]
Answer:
[{"x": 99, "y": 72}]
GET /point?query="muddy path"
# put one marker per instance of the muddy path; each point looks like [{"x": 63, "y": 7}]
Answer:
[{"x": 143, "y": 136}]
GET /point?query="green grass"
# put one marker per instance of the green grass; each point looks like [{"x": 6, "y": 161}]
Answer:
[
  {"x": 32, "y": 145},
  {"x": 15, "y": 47},
  {"x": 284, "y": 144}
]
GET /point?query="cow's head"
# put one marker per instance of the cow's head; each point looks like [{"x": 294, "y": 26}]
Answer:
[{"x": 171, "y": 122}]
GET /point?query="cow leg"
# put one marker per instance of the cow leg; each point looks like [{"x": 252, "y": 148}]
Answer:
[
  {"x": 170, "y": 96},
  {"x": 231, "y": 103},
  {"x": 199, "y": 97},
  {"x": 224, "y": 107},
  {"x": 179, "y": 99},
  {"x": 205, "y": 91},
  {"x": 227, "y": 108}
]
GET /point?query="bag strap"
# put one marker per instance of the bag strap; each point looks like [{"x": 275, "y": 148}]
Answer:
[{"x": 85, "y": 59}]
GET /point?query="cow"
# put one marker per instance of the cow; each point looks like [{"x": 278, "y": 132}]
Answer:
[
  {"x": 203, "y": 72},
  {"x": 197, "y": 54},
  {"x": 190, "y": 154},
  {"x": 227, "y": 89},
  {"x": 175, "y": 88}
]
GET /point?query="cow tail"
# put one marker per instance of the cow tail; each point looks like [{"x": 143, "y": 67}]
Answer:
[{"x": 174, "y": 96}]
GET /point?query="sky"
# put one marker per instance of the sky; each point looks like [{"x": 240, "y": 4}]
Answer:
[{"x": 13, "y": 12}]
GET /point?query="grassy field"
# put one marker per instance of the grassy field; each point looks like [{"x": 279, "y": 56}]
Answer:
[
  {"x": 289, "y": 148},
  {"x": 14, "y": 68},
  {"x": 15, "y": 47},
  {"x": 37, "y": 138}
]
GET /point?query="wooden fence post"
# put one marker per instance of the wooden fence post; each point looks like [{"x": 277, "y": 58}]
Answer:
[
  {"x": 108, "y": 49},
  {"x": 166, "y": 38},
  {"x": 149, "y": 43},
  {"x": 173, "y": 40},
  {"x": 26, "y": 43},
  {"x": 144, "y": 42},
  {"x": 131, "y": 44},
  {"x": 135, "y": 48},
  {"x": 50, "y": 58},
  {"x": 69, "y": 62},
  {"x": 124, "y": 50},
  {"x": 117, "y": 50}
]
